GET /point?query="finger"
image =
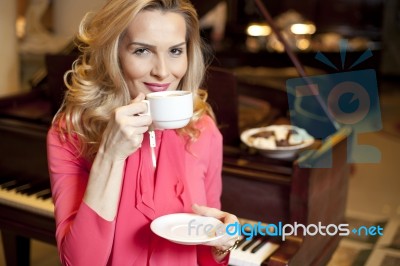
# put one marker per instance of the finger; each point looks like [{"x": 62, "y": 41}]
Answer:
[
  {"x": 227, "y": 240},
  {"x": 223, "y": 243},
  {"x": 136, "y": 139},
  {"x": 225, "y": 217},
  {"x": 137, "y": 121},
  {"x": 128, "y": 124},
  {"x": 207, "y": 211},
  {"x": 230, "y": 218},
  {"x": 132, "y": 109},
  {"x": 138, "y": 100},
  {"x": 139, "y": 130},
  {"x": 140, "y": 97}
]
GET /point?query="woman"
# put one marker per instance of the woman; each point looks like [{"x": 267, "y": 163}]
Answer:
[{"x": 105, "y": 189}]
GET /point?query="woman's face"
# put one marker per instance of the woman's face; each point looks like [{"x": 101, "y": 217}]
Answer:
[{"x": 153, "y": 52}]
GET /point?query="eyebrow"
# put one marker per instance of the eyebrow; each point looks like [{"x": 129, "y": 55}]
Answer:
[{"x": 153, "y": 46}]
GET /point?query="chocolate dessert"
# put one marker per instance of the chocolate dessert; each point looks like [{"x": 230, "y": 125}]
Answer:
[{"x": 282, "y": 137}]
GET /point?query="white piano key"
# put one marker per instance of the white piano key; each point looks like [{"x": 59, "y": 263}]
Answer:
[
  {"x": 251, "y": 258},
  {"x": 238, "y": 257},
  {"x": 263, "y": 253},
  {"x": 27, "y": 202}
]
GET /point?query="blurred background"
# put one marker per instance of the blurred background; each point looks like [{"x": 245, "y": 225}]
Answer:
[{"x": 37, "y": 45}]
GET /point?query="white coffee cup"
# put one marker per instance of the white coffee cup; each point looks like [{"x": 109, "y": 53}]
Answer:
[{"x": 170, "y": 109}]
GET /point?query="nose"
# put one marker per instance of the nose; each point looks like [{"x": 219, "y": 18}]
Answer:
[{"x": 160, "y": 67}]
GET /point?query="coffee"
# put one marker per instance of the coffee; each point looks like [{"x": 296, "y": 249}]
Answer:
[{"x": 167, "y": 94}]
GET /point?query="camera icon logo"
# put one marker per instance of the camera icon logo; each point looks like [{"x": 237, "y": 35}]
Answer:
[{"x": 348, "y": 99}]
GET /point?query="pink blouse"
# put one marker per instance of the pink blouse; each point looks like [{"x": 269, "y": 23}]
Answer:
[{"x": 184, "y": 175}]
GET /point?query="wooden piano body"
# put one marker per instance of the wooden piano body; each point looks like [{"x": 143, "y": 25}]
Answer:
[
  {"x": 256, "y": 188},
  {"x": 265, "y": 190},
  {"x": 282, "y": 190},
  {"x": 23, "y": 158}
]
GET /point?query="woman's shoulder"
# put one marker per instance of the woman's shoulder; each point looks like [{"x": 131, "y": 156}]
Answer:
[
  {"x": 205, "y": 121},
  {"x": 208, "y": 126},
  {"x": 57, "y": 129},
  {"x": 57, "y": 135}
]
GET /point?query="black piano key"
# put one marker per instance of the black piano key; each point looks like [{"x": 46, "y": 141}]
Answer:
[
  {"x": 23, "y": 187},
  {"x": 8, "y": 183},
  {"x": 243, "y": 240},
  {"x": 259, "y": 245},
  {"x": 12, "y": 185},
  {"x": 36, "y": 187},
  {"x": 44, "y": 194},
  {"x": 249, "y": 244},
  {"x": 6, "y": 178}
]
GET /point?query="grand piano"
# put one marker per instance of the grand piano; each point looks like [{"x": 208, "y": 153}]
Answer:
[{"x": 255, "y": 188}]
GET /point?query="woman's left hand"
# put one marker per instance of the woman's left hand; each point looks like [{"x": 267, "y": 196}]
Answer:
[{"x": 225, "y": 242}]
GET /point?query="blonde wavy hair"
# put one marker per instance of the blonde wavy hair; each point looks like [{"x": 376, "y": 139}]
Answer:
[{"x": 96, "y": 85}]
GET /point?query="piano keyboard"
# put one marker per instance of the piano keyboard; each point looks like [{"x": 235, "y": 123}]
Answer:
[
  {"x": 36, "y": 197},
  {"x": 252, "y": 252},
  {"x": 30, "y": 196}
]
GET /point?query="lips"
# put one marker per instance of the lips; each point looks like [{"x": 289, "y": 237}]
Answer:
[{"x": 157, "y": 86}]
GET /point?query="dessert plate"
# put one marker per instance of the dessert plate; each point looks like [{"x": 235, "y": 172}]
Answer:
[
  {"x": 188, "y": 228},
  {"x": 267, "y": 145}
]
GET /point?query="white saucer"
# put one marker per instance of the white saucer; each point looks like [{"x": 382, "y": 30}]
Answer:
[
  {"x": 278, "y": 152},
  {"x": 188, "y": 228}
]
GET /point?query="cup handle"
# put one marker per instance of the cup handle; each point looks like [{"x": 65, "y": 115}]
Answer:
[{"x": 148, "y": 107}]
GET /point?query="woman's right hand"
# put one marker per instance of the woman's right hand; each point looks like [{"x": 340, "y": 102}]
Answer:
[{"x": 124, "y": 132}]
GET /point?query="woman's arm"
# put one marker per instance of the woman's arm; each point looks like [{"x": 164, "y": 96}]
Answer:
[
  {"x": 122, "y": 137},
  {"x": 83, "y": 237},
  {"x": 213, "y": 188},
  {"x": 86, "y": 197}
]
